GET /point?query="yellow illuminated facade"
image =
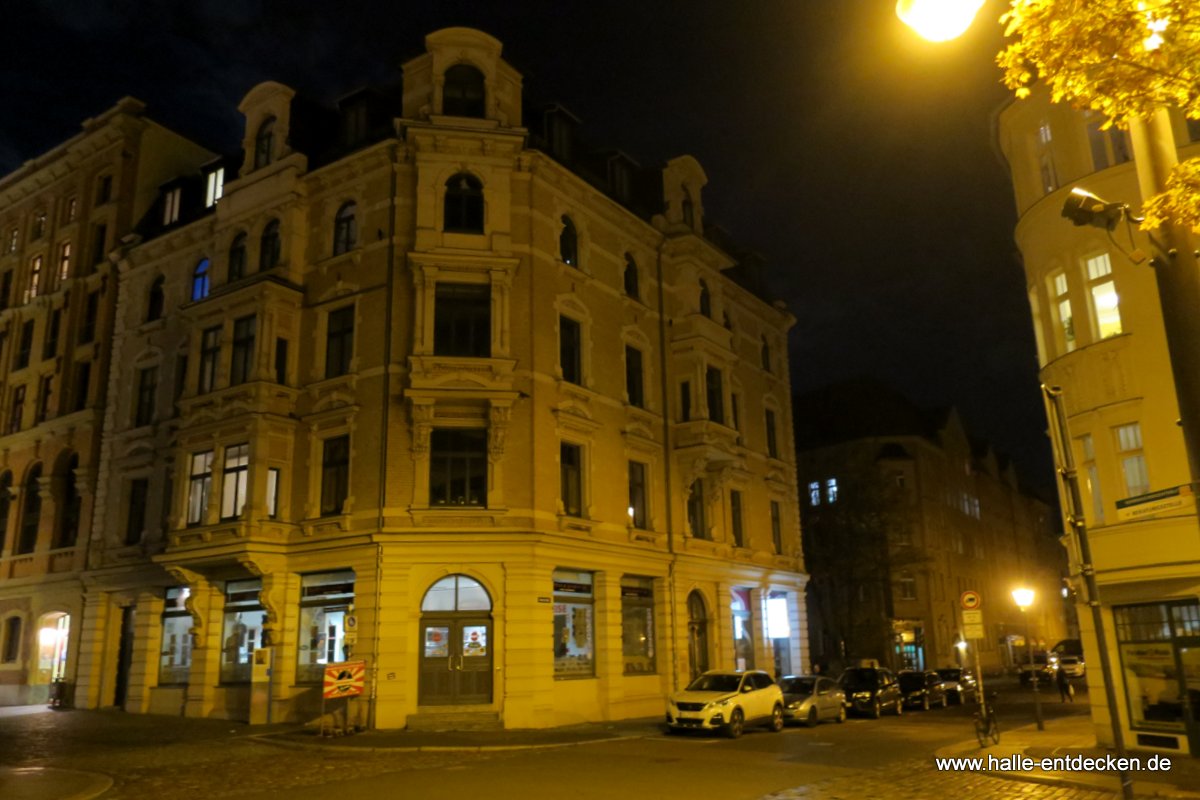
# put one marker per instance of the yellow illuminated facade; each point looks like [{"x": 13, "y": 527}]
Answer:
[
  {"x": 421, "y": 382},
  {"x": 1100, "y": 337}
]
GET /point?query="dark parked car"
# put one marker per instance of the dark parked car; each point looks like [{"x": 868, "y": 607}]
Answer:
[
  {"x": 960, "y": 684},
  {"x": 811, "y": 698},
  {"x": 923, "y": 689},
  {"x": 1044, "y": 667},
  {"x": 870, "y": 690}
]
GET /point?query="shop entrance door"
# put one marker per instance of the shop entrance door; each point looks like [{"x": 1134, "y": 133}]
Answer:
[
  {"x": 456, "y": 660},
  {"x": 124, "y": 657},
  {"x": 1189, "y": 661}
]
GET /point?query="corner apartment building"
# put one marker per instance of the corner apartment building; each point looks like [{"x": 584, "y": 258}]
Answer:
[
  {"x": 1099, "y": 329},
  {"x": 902, "y": 513},
  {"x": 422, "y": 381},
  {"x": 62, "y": 215}
]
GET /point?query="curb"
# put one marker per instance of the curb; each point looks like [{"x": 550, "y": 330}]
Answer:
[{"x": 433, "y": 748}]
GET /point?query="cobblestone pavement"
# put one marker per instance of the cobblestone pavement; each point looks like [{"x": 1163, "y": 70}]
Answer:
[{"x": 920, "y": 781}]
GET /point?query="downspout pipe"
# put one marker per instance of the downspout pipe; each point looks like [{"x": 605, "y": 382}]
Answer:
[{"x": 664, "y": 366}]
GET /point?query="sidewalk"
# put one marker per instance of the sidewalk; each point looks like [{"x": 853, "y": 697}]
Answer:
[{"x": 1075, "y": 736}]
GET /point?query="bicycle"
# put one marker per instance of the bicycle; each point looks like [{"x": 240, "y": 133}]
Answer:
[{"x": 987, "y": 726}]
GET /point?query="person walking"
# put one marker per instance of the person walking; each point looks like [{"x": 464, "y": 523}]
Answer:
[{"x": 1064, "y": 687}]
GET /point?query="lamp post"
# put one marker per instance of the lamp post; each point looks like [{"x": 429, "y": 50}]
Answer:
[{"x": 1024, "y": 599}]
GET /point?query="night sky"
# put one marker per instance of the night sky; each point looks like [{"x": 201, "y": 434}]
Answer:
[{"x": 857, "y": 158}]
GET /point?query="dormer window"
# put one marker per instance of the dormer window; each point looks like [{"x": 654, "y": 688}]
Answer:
[
  {"x": 462, "y": 92},
  {"x": 345, "y": 232},
  {"x": 200, "y": 280},
  {"x": 264, "y": 143},
  {"x": 464, "y": 204},
  {"x": 214, "y": 187},
  {"x": 568, "y": 243},
  {"x": 171, "y": 205}
]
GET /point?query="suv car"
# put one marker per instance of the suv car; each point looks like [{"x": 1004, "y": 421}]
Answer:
[
  {"x": 727, "y": 701},
  {"x": 869, "y": 690}
]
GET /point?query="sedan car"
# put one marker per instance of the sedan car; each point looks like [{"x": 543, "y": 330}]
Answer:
[
  {"x": 869, "y": 690},
  {"x": 960, "y": 684},
  {"x": 811, "y": 698},
  {"x": 1043, "y": 668},
  {"x": 923, "y": 689},
  {"x": 727, "y": 701}
]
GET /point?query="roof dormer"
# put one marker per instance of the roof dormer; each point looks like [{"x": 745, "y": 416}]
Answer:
[
  {"x": 683, "y": 179},
  {"x": 268, "y": 112},
  {"x": 461, "y": 76}
]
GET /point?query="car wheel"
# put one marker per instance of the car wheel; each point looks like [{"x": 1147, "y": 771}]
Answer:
[
  {"x": 737, "y": 724},
  {"x": 899, "y": 707},
  {"x": 841, "y": 717},
  {"x": 945, "y": 701},
  {"x": 876, "y": 709},
  {"x": 925, "y": 703},
  {"x": 777, "y": 719},
  {"x": 813, "y": 718}
]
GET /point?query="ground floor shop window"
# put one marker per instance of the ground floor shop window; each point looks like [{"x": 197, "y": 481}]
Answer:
[
  {"x": 637, "y": 624},
  {"x": 779, "y": 630},
  {"x": 242, "y": 630},
  {"x": 325, "y": 600},
  {"x": 54, "y": 632},
  {"x": 574, "y": 650},
  {"x": 176, "y": 657},
  {"x": 743, "y": 629},
  {"x": 1156, "y": 661}
]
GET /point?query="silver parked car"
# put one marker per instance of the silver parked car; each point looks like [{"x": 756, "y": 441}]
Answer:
[{"x": 811, "y": 699}]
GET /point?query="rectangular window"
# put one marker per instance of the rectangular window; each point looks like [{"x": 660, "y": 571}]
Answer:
[
  {"x": 735, "y": 514},
  {"x": 91, "y": 312},
  {"x": 135, "y": 515},
  {"x": 335, "y": 475},
  {"x": 234, "y": 481},
  {"x": 777, "y": 527},
  {"x": 1109, "y": 147},
  {"x": 634, "y": 377},
  {"x": 814, "y": 493},
  {"x": 1106, "y": 309},
  {"x": 695, "y": 511},
  {"x": 16, "y": 411},
  {"x": 715, "y": 392},
  {"x": 1062, "y": 307},
  {"x": 171, "y": 205},
  {"x": 1152, "y": 640},
  {"x": 735, "y": 413},
  {"x": 71, "y": 212},
  {"x": 574, "y": 633},
  {"x": 462, "y": 320},
  {"x": 147, "y": 395},
  {"x": 210, "y": 352},
  {"x": 104, "y": 188},
  {"x": 176, "y": 655},
  {"x": 214, "y": 187},
  {"x": 50, "y": 343},
  {"x": 458, "y": 467},
  {"x": 241, "y": 366},
  {"x": 6, "y": 284},
  {"x": 571, "y": 470},
  {"x": 242, "y": 631},
  {"x": 325, "y": 601},
  {"x": 45, "y": 391},
  {"x": 685, "y": 401},
  {"x": 281, "y": 360},
  {"x": 273, "y": 493},
  {"x": 772, "y": 441},
  {"x": 570, "y": 350},
  {"x": 1133, "y": 461},
  {"x": 1046, "y": 159},
  {"x": 199, "y": 486},
  {"x": 34, "y": 287},
  {"x": 831, "y": 490},
  {"x": 637, "y": 494},
  {"x": 907, "y": 585},
  {"x": 25, "y": 349},
  {"x": 1092, "y": 478},
  {"x": 99, "y": 243},
  {"x": 83, "y": 384},
  {"x": 181, "y": 371},
  {"x": 339, "y": 342},
  {"x": 64, "y": 261},
  {"x": 637, "y": 625},
  {"x": 12, "y": 640}
]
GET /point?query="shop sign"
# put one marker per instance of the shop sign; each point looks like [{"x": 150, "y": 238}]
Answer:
[{"x": 1151, "y": 503}]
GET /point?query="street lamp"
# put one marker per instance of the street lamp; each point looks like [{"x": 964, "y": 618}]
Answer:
[
  {"x": 938, "y": 20},
  {"x": 1024, "y": 599}
]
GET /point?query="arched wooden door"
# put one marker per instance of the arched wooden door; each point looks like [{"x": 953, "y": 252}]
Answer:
[{"x": 456, "y": 643}]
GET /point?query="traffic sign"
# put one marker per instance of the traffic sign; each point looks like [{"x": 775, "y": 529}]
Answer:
[
  {"x": 970, "y": 600},
  {"x": 345, "y": 679},
  {"x": 974, "y": 617},
  {"x": 972, "y": 631}
]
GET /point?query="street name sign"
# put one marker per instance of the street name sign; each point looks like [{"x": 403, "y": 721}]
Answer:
[{"x": 1151, "y": 503}]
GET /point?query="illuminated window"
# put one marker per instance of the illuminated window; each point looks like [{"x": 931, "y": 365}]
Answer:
[
  {"x": 1105, "y": 305},
  {"x": 64, "y": 261},
  {"x": 273, "y": 493},
  {"x": 242, "y": 632},
  {"x": 831, "y": 490},
  {"x": 234, "y": 481},
  {"x": 814, "y": 493},
  {"x": 214, "y": 188},
  {"x": 171, "y": 205},
  {"x": 199, "y": 486},
  {"x": 1133, "y": 460},
  {"x": 176, "y": 658},
  {"x": 33, "y": 288},
  {"x": 1062, "y": 308},
  {"x": 200, "y": 280},
  {"x": 1049, "y": 175},
  {"x": 574, "y": 631},
  {"x": 637, "y": 625},
  {"x": 325, "y": 601},
  {"x": 1092, "y": 478}
]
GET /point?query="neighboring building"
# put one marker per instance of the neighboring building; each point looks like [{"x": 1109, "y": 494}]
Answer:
[
  {"x": 902, "y": 513},
  {"x": 62, "y": 214},
  {"x": 1100, "y": 337},
  {"x": 411, "y": 383}
]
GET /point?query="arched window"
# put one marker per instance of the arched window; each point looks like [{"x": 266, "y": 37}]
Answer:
[
  {"x": 464, "y": 204},
  {"x": 200, "y": 280},
  {"x": 32, "y": 513},
  {"x": 568, "y": 243},
  {"x": 462, "y": 92},
  {"x": 631, "y": 276},
  {"x": 689, "y": 210},
  {"x": 237, "y": 258},
  {"x": 766, "y": 354},
  {"x": 5, "y": 505},
  {"x": 71, "y": 504},
  {"x": 154, "y": 300},
  {"x": 457, "y": 593},
  {"x": 345, "y": 229},
  {"x": 705, "y": 300},
  {"x": 697, "y": 634},
  {"x": 264, "y": 143},
  {"x": 268, "y": 251}
]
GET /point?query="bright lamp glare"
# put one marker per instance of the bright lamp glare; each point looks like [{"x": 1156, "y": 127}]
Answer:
[
  {"x": 1023, "y": 597},
  {"x": 938, "y": 20},
  {"x": 961, "y": 645}
]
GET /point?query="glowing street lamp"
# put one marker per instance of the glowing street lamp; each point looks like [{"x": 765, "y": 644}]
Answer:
[
  {"x": 1023, "y": 597},
  {"x": 938, "y": 20}
]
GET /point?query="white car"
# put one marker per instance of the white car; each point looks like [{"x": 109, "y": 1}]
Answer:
[
  {"x": 1072, "y": 666},
  {"x": 727, "y": 701}
]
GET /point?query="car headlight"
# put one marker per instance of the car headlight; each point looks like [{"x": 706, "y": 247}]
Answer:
[
  {"x": 862, "y": 695},
  {"x": 794, "y": 705}
]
